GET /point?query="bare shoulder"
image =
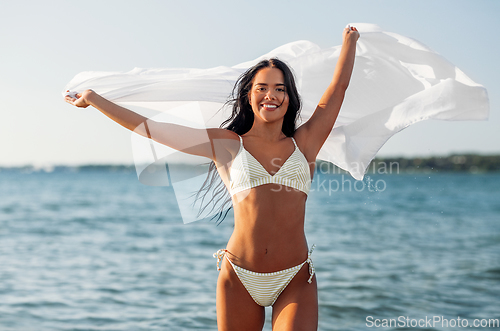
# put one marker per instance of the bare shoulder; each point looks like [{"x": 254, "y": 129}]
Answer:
[
  {"x": 217, "y": 133},
  {"x": 304, "y": 142},
  {"x": 224, "y": 140}
]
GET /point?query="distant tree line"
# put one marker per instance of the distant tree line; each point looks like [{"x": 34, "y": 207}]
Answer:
[
  {"x": 452, "y": 163},
  {"x": 471, "y": 163}
]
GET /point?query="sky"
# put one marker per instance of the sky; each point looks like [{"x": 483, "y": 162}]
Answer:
[{"x": 43, "y": 44}]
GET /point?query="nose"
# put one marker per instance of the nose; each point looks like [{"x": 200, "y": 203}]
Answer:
[{"x": 270, "y": 95}]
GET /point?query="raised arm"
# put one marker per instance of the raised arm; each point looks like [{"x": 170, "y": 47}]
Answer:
[
  {"x": 313, "y": 134},
  {"x": 188, "y": 140}
]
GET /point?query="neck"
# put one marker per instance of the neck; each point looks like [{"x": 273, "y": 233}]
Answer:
[{"x": 267, "y": 131}]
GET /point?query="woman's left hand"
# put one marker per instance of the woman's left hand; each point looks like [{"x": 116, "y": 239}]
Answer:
[{"x": 350, "y": 34}]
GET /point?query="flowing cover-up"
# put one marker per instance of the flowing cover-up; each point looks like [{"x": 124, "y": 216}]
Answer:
[{"x": 396, "y": 82}]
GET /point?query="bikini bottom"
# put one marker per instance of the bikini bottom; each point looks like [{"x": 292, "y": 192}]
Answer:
[{"x": 265, "y": 288}]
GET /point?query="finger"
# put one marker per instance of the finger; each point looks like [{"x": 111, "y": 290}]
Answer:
[{"x": 71, "y": 94}]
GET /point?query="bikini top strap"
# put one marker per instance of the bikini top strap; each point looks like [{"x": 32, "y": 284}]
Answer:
[
  {"x": 241, "y": 139},
  {"x": 294, "y": 142}
]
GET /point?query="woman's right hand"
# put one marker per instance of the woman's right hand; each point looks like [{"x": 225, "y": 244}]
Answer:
[{"x": 81, "y": 100}]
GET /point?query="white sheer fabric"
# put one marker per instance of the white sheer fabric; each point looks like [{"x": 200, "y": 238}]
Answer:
[{"x": 396, "y": 82}]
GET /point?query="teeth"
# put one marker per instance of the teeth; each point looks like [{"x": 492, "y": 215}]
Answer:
[{"x": 270, "y": 106}]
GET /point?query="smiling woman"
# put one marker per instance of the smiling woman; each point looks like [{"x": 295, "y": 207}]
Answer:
[
  {"x": 267, "y": 251},
  {"x": 266, "y": 162}
]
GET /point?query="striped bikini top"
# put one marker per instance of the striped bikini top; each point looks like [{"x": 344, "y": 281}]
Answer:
[{"x": 246, "y": 172}]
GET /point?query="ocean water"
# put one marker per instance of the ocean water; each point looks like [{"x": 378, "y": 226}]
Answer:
[{"x": 97, "y": 250}]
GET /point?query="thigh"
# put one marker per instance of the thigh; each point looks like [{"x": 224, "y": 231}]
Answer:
[
  {"x": 236, "y": 310},
  {"x": 297, "y": 306}
]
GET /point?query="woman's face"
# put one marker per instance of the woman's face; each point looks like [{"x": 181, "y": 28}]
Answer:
[{"x": 268, "y": 96}]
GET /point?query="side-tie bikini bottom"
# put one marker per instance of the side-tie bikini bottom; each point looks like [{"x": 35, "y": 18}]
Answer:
[{"x": 265, "y": 288}]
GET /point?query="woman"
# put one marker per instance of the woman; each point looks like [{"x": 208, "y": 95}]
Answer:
[{"x": 267, "y": 165}]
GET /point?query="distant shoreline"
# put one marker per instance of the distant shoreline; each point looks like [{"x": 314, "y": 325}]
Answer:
[{"x": 456, "y": 163}]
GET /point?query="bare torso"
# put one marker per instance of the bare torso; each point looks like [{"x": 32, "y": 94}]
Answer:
[{"x": 268, "y": 231}]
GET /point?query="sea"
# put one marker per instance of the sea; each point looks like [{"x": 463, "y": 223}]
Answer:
[{"x": 99, "y": 250}]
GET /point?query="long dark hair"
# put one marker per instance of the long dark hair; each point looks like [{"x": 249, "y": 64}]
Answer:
[{"x": 241, "y": 121}]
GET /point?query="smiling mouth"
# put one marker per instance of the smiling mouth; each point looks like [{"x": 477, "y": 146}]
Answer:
[{"x": 269, "y": 107}]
